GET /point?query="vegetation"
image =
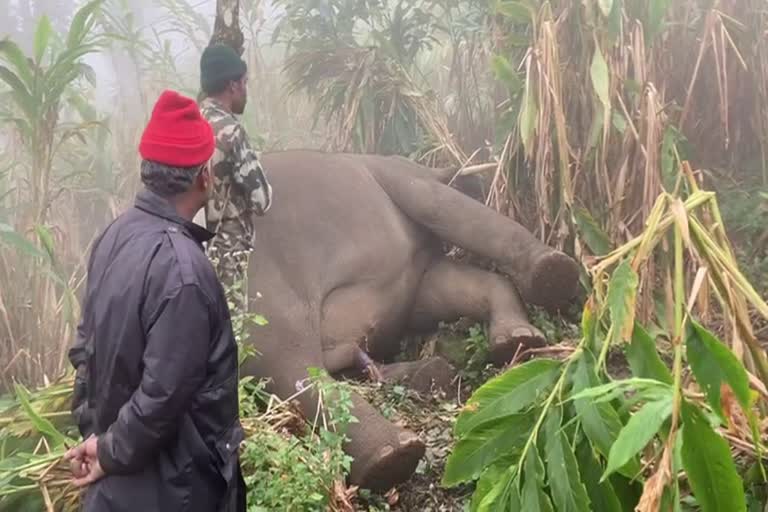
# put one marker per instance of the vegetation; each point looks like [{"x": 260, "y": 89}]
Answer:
[{"x": 591, "y": 112}]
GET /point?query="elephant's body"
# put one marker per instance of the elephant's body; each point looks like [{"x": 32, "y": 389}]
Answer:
[{"x": 349, "y": 257}]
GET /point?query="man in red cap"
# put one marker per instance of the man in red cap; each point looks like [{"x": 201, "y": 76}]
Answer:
[{"x": 156, "y": 392}]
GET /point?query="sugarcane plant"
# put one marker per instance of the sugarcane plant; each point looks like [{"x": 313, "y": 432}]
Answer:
[{"x": 566, "y": 435}]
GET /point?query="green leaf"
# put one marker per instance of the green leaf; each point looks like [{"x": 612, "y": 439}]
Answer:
[
  {"x": 639, "y": 430},
  {"x": 507, "y": 394},
  {"x": 606, "y": 6},
  {"x": 46, "y": 240},
  {"x": 482, "y": 446},
  {"x": 622, "y": 290},
  {"x": 712, "y": 364},
  {"x": 619, "y": 122},
  {"x": 19, "y": 93},
  {"x": 42, "y": 36},
  {"x": 16, "y": 58},
  {"x": 599, "y": 421},
  {"x": 656, "y": 11},
  {"x": 615, "y": 389},
  {"x": 533, "y": 497},
  {"x": 601, "y": 493},
  {"x": 497, "y": 485},
  {"x": 506, "y": 74},
  {"x": 81, "y": 23},
  {"x": 708, "y": 464},
  {"x": 10, "y": 237},
  {"x": 600, "y": 78},
  {"x": 643, "y": 358},
  {"x": 669, "y": 157},
  {"x": 596, "y": 239},
  {"x": 42, "y": 425},
  {"x": 517, "y": 12},
  {"x": 567, "y": 490},
  {"x": 528, "y": 115}
]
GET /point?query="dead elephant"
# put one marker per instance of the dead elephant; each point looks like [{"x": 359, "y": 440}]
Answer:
[{"x": 350, "y": 258}]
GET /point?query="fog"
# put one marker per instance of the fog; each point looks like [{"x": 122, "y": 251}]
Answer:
[{"x": 153, "y": 19}]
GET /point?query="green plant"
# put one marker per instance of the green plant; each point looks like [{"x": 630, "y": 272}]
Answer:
[
  {"x": 564, "y": 435},
  {"x": 299, "y": 470}
]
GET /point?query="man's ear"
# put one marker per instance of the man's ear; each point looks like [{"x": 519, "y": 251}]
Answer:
[{"x": 205, "y": 178}]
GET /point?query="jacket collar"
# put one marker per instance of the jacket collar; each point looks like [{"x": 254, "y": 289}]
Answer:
[{"x": 149, "y": 202}]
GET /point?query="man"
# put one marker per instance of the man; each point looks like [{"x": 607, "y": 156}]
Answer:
[
  {"x": 156, "y": 392},
  {"x": 241, "y": 189}
]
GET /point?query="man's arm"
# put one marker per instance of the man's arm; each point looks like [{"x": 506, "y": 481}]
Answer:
[
  {"x": 175, "y": 360},
  {"x": 78, "y": 357},
  {"x": 248, "y": 173}
]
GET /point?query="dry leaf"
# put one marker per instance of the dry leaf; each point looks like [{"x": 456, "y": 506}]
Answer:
[
  {"x": 392, "y": 497},
  {"x": 654, "y": 486},
  {"x": 737, "y": 422}
]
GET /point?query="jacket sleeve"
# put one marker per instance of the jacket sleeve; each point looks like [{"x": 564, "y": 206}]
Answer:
[
  {"x": 249, "y": 175},
  {"x": 78, "y": 357},
  {"x": 175, "y": 360}
]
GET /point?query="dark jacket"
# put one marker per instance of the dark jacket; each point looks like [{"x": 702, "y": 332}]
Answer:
[{"x": 157, "y": 375}]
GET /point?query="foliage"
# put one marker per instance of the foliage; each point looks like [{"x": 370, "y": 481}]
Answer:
[
  {"x": 291, "y": 472},
  {"x": 564, "y": 435},
  {"x": 357, "y": 59}
]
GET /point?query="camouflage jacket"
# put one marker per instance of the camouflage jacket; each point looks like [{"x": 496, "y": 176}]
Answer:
[{"x": 240, "y": 187}]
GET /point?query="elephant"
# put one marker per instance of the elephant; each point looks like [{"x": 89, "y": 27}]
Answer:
[{"x": 350, "y": 257}]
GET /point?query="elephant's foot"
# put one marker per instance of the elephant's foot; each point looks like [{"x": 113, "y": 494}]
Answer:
[
  {"x": 509, "y": 339},
  {"x": 551, "y": 281},
  {"x": 423, "y": 376},
  {"x": 389, "y": 465}
]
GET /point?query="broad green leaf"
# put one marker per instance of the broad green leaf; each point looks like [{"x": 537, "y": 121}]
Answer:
[
  {"x": 599, "y": 421},
  {"x": 480, "y": 447},
  {"x": 42, "y": 36},
  {"x": 638, "y": 432},
  {"x": 596, "y": 239},
  {"x": 601, "y": 494},
  {"x": 13, "y": 55},
  {"x": 567, "y": 490},
  {"x": 606, "y": 6},
  {"x": 615, "y": 389},
  {"x": 708, "y": 464},
  {"x": 643, "y": 358},
  {"x": 533, "y": 498},
  {"x": 589, "y": 326},
  {"x": 600, "y": 78},
  {"x": 627, "y": 490},
  {"x": 10, "y": 237},
  {"x": 82, "y": 21},
  {"x": 19, "y": 93},
  {"x": 622, "y": 290},
  {"x": 517, "y": 12},
  {"x": 507, "y": 394},
  {"x": 713, "y": 364},
  {"x": 496, "y": 488},
  {"x": 43, "y": 425},
  {"x": 506, "y": 74}
]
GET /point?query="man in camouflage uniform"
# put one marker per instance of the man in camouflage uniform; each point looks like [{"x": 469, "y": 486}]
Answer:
[{"x": 241, "y": 189}]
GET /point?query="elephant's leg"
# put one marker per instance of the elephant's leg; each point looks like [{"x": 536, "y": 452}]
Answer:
[
  {"x": 450, "y": 290},
  {"x": 423, "y": 375},
  {"x": 543, "y": 275},
  {"x": 383, "y": 453}
]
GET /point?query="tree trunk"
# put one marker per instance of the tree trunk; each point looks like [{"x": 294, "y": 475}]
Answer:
[{"x": 226, "y": 28}]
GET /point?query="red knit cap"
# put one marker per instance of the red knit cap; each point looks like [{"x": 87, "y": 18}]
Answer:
[{"x": 177, "y": 135}]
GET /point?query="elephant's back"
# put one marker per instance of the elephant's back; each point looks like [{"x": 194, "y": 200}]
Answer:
[{"x": 331, "y": 224}]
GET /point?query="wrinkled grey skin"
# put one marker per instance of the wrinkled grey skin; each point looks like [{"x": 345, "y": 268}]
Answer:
[{"x": 349, "y": 257}]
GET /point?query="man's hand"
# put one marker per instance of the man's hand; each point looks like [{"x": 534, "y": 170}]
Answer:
[{"x": 84, "y": 462}]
